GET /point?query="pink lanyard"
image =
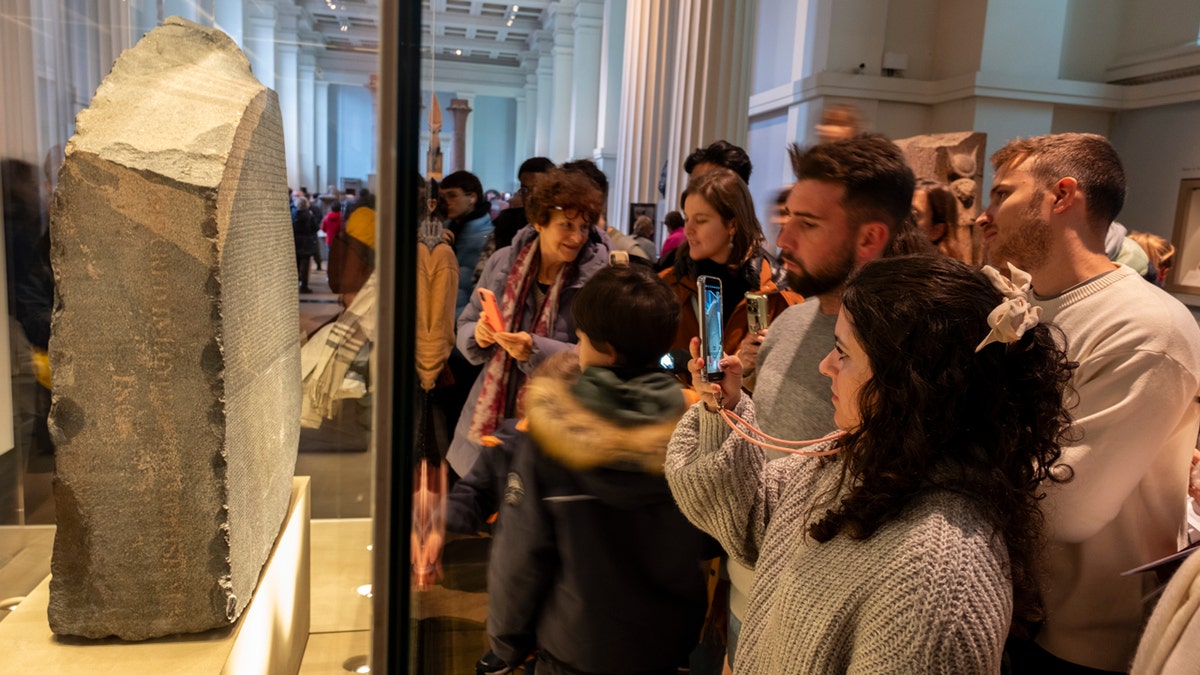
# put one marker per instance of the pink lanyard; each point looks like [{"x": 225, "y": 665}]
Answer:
[{"x": 733, "y": 420}]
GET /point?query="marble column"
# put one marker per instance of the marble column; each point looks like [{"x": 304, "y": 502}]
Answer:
[
  {"x": 258, "y": 41},
  {"x": 287, "y": 79},
  {"x": 459, "y": 109},
  {"x": 323, "y": 165},
  {"x": 529, "y": 149},
  {"x": 563, "y": 60},
  {"x": 18, "y": 79},
  {"x": 711, "y": 96},
  {"x": 585, "y": 78},
  {"x": 545, "y": 88},
  {"x": 612, "y": 55},
  {"x": 307, "y": 126},
  {"x": 646, "y": 116},
  {"x": 521, "y": 137},
  {"x": 228, "y": 16}
]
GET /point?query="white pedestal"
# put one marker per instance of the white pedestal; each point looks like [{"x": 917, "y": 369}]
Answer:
[{"x": 269, "y": 637}]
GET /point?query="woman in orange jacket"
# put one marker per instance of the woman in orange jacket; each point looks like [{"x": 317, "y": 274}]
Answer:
[{"x": 724, "y": 239}]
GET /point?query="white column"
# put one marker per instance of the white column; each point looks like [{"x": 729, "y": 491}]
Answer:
[
  {"x": 18, "y": 80},
  {"x": 612, "y": 56},
  {"x": 186, "y": 9},
  {"x": 585, "y": 94},
  {"x": 545, "y": 89},
  {"x": 307, "y": 107},
  {"x": 711, "y": 96},
  {"x": 321, "y": 99},
  {"x": 530, "y": 148},
  {"x": 258, "y": 41},
  {"x": 645, "y": 121},
  {"x": 287, "y": 77},
  {"x": 563, "y": 54},
  {"x": 54, "y": 80},
  {"x": 521, "y": 139},
  {"x": 227, "y": 16}
]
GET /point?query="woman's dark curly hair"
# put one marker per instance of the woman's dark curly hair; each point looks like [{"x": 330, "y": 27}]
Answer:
[
  {"x": 937, "y": 415},
  {"x": 567, "y": 190}
]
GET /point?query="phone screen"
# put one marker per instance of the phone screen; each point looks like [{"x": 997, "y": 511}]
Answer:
[{"x": 710, "y": 327}]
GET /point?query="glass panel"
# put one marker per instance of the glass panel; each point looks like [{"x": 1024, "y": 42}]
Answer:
[{"x": 321, "y": 58}]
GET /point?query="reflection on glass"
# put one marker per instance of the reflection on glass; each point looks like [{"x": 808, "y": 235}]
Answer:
[{"x": 320, "y": 58}]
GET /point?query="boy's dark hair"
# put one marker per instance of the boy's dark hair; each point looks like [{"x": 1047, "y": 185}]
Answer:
[
  {"x": 721, "y": 153},
  {"x": 535, "y": 165},
  {"x": 639, "y": 326}
]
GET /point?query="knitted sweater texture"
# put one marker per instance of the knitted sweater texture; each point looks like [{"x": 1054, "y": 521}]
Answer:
[
  {"x": 1138, "y": 351},
  {"x": 927, "y": 593}
]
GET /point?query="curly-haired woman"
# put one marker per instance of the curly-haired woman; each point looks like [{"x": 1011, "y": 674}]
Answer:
[
  {"x": 914, "y": 547},
  {"x": 535, "y": 281}
]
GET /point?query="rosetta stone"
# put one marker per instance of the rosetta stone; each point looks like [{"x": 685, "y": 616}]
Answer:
[{"x": 175, "y": 344}]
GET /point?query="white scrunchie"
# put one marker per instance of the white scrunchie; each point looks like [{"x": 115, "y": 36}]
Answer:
[{"x": 1014, "y": 315}]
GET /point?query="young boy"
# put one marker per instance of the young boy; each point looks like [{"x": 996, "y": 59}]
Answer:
[{"x": 592, "y": 563}]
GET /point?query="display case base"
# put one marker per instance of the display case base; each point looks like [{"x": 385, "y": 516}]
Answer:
[{"x": 269, "y": 637}]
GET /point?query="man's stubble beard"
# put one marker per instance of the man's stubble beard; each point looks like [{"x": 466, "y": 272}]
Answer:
[{"x": 811, "y": 284}]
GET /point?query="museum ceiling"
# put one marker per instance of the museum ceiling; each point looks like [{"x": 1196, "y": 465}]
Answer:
[{"x": 461, "y": 31}]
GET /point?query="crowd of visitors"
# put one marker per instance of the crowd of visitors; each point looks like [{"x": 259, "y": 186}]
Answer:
[{"x": 919, "y": 464}]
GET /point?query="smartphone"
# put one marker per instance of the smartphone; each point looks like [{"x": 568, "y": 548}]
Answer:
[
  {"x": 756, "y": 311},
  {"x": 711, "y": 319},
  {"x": 491, "y": 311}
]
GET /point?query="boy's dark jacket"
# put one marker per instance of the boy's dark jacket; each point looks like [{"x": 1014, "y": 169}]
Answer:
[{"x": 592, "y": 561}]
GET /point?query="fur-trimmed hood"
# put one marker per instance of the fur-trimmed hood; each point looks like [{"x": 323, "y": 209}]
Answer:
[{"x": 579, "y": 437}]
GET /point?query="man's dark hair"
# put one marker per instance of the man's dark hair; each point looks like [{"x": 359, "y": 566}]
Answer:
[
  {"x": 639, "y": 328},
  {"x": 1088, "y": 158},
  {"x": 721, "y": 153},
  {"x": 878, "y": 183},
  {"x": 535, "y": 165},
  {"x": 673, "y": 220},
  {"x": 588, "y": 168}
]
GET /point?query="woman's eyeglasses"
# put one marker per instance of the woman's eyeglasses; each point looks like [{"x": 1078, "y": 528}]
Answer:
[{"x": 569, "y": 224}]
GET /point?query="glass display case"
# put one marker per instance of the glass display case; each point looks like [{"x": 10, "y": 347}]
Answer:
[{"x": 346, "y": 77}]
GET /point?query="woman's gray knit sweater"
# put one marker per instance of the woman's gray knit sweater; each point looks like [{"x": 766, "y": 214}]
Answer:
[{"x": 927, "y": 593}]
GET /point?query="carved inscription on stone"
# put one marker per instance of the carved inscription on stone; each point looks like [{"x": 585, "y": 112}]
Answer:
[{"x": 175, "y": 346}]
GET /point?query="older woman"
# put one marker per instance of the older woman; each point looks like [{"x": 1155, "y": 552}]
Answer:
[
  {"x": 724, "y": 239},
  {"x": 535, "y": 281},
  {"x": 913, "y": 548}
]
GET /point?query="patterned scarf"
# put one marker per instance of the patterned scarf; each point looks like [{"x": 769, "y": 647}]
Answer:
[{"x": 498, "y": 373}]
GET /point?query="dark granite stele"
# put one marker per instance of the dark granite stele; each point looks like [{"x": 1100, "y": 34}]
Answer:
[{"x": 175, "y": 343}]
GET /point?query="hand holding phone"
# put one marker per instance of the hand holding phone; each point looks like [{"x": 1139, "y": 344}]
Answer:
[
  {"x": 757, "y": 316},
  {"x": 491, "y": 311},
  {"x": 711, "y": 329}
]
